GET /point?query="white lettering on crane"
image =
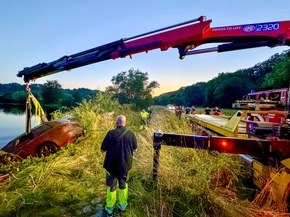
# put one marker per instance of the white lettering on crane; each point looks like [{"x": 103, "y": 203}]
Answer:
[{"x": 227, "y": 28}]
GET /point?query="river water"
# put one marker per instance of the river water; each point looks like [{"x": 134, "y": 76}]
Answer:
[{"x": 12, "y": 123}]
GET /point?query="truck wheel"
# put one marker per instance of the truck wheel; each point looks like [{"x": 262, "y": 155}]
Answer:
[{"x": 47, "y": 148}]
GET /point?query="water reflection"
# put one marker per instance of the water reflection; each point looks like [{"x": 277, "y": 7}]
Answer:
[
  {"x": 13, "y": 109},
  {"x": 13, "y": 121},
  {"x": 20, "y": 109},
  {"x": 12, "y": 124}
]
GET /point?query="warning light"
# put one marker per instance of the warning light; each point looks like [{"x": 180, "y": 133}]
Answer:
[
  {"x": 250, "y": 126},
  {"x": 224, "y": 143}
]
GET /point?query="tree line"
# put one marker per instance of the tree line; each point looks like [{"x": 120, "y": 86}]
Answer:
[
  {"x": 227, "y": 87},
  {"x": 129, "y": 87},
  {"x": 50, "y": 93}
]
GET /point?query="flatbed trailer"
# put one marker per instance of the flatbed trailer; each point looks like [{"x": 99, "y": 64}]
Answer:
[
  {"x": 234, "y": 126},
  {"x": 218, "y": 125}
]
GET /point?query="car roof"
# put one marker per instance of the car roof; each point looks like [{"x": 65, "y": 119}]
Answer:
[{"x": 56, "y": 122}]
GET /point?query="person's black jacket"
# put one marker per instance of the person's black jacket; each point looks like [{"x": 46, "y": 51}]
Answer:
[{"x": 119, "y": 150}]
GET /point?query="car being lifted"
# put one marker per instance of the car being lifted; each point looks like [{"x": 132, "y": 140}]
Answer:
[{"x": 45, "y": 139}]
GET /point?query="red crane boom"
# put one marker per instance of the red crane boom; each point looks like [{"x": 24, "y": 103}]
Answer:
[{"x": 184, "y": 36}]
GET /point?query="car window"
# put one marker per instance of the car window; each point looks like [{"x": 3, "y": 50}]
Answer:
[
  {"x": 23, "y": 138},
  {"x": 40, "y": 129}
]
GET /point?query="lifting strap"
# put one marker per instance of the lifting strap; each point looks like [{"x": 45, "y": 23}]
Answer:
[{"x": 39, "y": 113}]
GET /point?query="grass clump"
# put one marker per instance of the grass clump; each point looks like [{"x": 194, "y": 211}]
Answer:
[{"x": 72, "y": 182}]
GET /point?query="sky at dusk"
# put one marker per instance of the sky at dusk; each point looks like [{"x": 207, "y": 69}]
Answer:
[{"x": 34, "y": 31}]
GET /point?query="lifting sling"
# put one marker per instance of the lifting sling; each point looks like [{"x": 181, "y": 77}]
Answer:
[{"x": 38, "y": 110}]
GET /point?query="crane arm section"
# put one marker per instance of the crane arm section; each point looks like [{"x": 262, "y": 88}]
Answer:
[
  {"x": 266, "y": 150},
  {"x": 184, "y": 36}
]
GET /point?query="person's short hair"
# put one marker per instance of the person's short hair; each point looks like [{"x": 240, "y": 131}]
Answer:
[{"x": 121, "y": 120}]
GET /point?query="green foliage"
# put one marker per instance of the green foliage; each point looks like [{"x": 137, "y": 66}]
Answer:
[
  {"x": 234, "y": 86},
  {"x": 224, "y": 89},
  {"x": 279, "y": 77},
  {"x": 194, "y": 94},
  {"x": 80, "y": 93},
  {"x": 11, "y": 87},
  {"x": 133, "y": 87},
  {"x": 15, "y": 97},
  {"x": 88, "y": 112},
  {"x": 68, "y": 100},
  {"x": 16, "y": 93},
  {"x": 77, "y": 97},
  {"x": 169, "y": 98},
  {"x": 51, "y": 92},
  {"x": 258, "y": 72}
]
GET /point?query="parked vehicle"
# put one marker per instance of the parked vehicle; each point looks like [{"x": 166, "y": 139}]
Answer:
[
  {"x": 275, "y": 99},
  {"x": 171, "y": 106},
  {"x": 45, "y": 139}
]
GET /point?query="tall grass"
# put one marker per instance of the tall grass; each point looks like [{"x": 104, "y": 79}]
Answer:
[{"x": 72, "y": 181}]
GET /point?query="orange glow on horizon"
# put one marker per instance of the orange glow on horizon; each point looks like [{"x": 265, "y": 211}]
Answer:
[
  {"x": 161, "y": 90},
  {"x": 155, "y": 92}
]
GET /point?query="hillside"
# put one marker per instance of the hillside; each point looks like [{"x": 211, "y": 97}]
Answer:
[
  {"x": 72, "y": 182},
  {"x": 270, "y": 74}
]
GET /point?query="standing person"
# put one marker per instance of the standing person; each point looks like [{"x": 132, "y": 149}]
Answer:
[
  {"x": 149, "y": 115},
  {"x": 176, "y": 110},
  {"x": 119, "y": 145},
  {"x": 207, "y": 111},
  {"x": 192, "y": 110},
  {"x": 144, "y": 118},
  {"x": 216, "y": 111},
  {"x": 179, "y": 112}
]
